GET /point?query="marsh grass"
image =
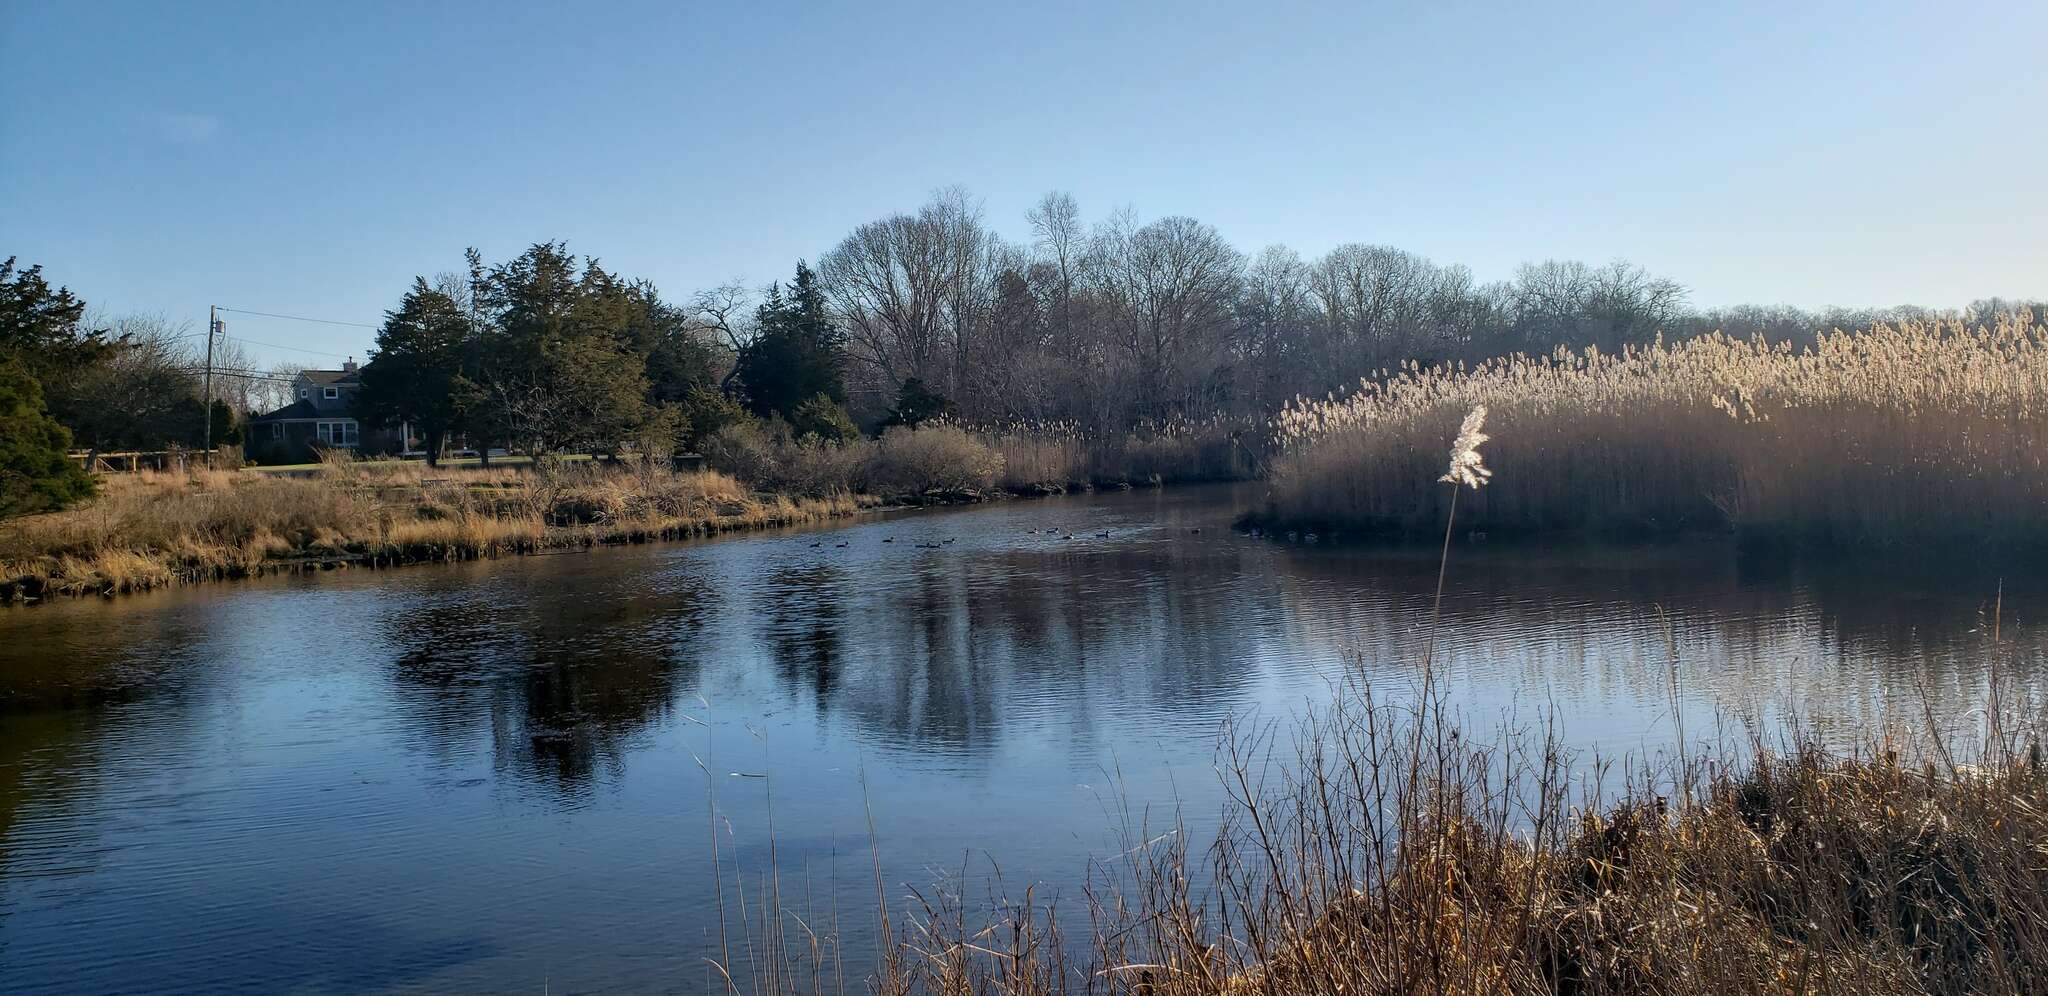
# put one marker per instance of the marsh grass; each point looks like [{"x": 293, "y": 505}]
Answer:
[
  {"x": 1381, "y": 845},
  {"x": 151, "y": 529},
  {"x": 1048, "y": 457},
  {"x": 1914, "y": 433}
]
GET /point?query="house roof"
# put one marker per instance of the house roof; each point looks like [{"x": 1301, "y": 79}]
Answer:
[
  {"x": 325, "y": 377},
  {"x": 297, "y": 409}
]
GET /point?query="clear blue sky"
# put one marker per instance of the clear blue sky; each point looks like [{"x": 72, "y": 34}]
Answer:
[{"x": 312, "y": 158}]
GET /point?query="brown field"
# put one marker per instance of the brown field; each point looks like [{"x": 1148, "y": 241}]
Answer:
[{"x": 153, "y": 529}]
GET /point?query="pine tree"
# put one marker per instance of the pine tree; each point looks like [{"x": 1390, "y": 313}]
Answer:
[
  {"x": 415, "y": 373},
  {"x": 39, "y": 327},
  {"x": 555, "y": 367},
  {"x": 36, "y": 475},
  {"x": 798, "y": 354}
]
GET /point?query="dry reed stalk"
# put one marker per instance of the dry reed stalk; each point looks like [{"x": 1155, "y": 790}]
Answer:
[{"x": 1916, "y": 432}]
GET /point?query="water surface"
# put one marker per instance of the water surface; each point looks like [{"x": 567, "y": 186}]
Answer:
[{"x": 485, "y": 777}]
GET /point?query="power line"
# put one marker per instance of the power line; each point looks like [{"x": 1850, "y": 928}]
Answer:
[
  {"x": 273, "y": 345},
  {"x": 296, "y": 318},
  {"x": 243, "y": 374}
]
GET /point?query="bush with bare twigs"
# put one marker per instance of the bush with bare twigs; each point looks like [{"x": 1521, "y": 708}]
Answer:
[{"x": 932, "y": 459}]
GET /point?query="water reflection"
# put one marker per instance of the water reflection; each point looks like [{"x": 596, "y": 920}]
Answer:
[
  {"x": 564, "y": 675},
  {"x": 509, "y": 748},
  {"x": 803, "y": 626}
]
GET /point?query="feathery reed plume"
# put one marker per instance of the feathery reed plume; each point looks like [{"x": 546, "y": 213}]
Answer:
[{"x": 1466, "y": 467}]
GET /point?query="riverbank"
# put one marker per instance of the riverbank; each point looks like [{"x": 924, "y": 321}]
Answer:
[
  {"x": 1392, "y": 851},
  {"x": 153, "y": 530}
]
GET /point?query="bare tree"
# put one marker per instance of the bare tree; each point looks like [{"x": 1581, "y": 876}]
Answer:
[
  {"x": 915, "y": 292},
  {"x": 1169, "y": 286},
  {"x": 1274, "y": 314},
  {"x": 724, "y": 314}
]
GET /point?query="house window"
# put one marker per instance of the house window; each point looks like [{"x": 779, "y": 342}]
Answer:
[
  {"x": 330, "y": 393},
  {"x": 336, "y": 433},
  {"x": 305, "y": 392},
  {"x": 277, "y": 430}
]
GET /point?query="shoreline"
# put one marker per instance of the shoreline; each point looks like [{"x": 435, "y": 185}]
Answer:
[
  {"x": 26, "y": 590},
  {"x": 754, "y": 512}
]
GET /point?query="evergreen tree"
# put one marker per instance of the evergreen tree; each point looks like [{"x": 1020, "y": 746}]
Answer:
[
  {"x": 415, "y": 374},
  {"x": 555, "y": 368},
  {"x": 704, "y": 411},
  {"x": 39, "y": 327},
  {"x": 36, "y": 475},
  {"x": 797, "y": 354},
  {"x": 820, "y": 416},
  {"x": 916, "y": 403}
]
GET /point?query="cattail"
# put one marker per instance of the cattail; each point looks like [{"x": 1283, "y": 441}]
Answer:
[{"x": 1466, "y": 467}]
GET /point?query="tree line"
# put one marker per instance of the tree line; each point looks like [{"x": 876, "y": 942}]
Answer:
[
  {"x": 1099, "y": 326},
  {"x": 69, "y": 378}
]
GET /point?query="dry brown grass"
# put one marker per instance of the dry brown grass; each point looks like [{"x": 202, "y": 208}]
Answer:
[
  {"x": 1915, "y": 432},
  {"x": 154, "y": 529},
  {"x": 1057, "y": 457},
  {"x": 1391, "y": 852}
]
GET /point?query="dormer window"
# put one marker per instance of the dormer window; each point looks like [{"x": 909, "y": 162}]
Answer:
[{"x": 330, "y": 393}]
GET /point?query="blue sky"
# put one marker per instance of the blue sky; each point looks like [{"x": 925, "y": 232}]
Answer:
[{"x": 311, "y": 159}]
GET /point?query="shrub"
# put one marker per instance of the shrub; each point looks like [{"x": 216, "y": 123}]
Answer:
[
  {"x": 36, "y": 474},
  {"x": 822, "y": 417},
  {"x": 933, "y": 458},
  {"x": 763, "y": 455},
  {"x": 704, "y": 412}
]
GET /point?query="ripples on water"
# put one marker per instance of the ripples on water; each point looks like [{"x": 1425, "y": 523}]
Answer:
[{"x": 483, "y": 776}]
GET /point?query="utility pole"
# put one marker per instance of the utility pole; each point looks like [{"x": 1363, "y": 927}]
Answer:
[{"x": 212, "y": 326}]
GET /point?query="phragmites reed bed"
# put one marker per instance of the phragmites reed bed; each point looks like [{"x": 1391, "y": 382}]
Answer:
[{"x": 1914, "y": 433}]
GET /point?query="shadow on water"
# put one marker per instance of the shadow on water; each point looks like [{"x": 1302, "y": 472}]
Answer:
[
  {"x": 561, "y": 675},
  {"x": 481, "y": 775}
]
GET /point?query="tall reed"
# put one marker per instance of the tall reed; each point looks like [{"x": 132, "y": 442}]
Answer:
[{"x": 1915, "y": 432}]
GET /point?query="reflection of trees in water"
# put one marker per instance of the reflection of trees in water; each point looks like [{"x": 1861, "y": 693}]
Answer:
[
  {"x": 561, "y": 681},
  {"x": 940, "y": 651},
  {"x": 805, "y": 614},
  {"x": 48, "y": 760},
  {"x": 74, "y": 679},
  {"x": 1756, "y": 632}
]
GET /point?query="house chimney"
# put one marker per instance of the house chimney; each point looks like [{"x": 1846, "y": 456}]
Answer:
[{"x": 348, "y": 365}]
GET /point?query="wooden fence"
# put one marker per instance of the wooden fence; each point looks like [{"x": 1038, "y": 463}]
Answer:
[{"x": 135, "y": 461}]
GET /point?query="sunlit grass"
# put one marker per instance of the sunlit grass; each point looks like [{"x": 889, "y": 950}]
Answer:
[
  {"x": 1902, "y": 433},
  {"x": 154, "y": 529}
]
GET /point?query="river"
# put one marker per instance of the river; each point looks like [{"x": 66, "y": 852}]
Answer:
[{"x": 485, "y": 776}]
